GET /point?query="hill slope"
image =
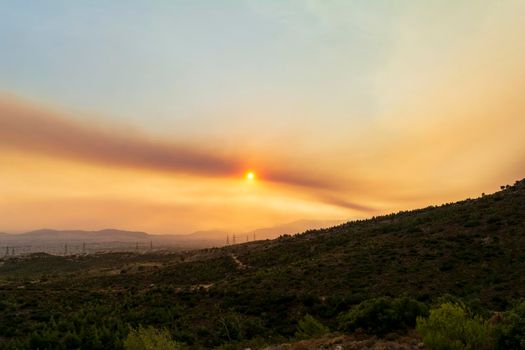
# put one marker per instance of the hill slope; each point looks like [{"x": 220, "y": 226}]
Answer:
[
  {"x": 472, "y": 249},
  {"x": 79, "y": 235},
  {"x": 291, "y": 228},
  {"x": 200, "y": 239}
]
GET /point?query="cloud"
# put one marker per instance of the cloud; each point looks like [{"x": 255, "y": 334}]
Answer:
[
  {"x": 29, "y": 128},
  {"x": 36, "y": 130},
  {"x": 340, "y": 202}
]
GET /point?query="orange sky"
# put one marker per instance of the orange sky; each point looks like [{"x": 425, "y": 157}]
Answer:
[{"x": 379, "y": 110}]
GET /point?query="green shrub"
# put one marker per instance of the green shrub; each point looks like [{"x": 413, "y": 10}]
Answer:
[
  {"x": 149, "y": 339},
  {"x": 510, "y": 333},
  {"x": 232, "y": 326},
  {"x": 383, "y": 315},
  {"x": 309, "y": 327},
  {"x": 451, "y": 327}
]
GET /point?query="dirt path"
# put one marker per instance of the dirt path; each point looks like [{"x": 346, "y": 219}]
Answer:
[{"x": 240, "y": 264}]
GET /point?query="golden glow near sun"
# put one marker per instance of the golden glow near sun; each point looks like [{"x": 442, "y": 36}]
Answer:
[
  {"x": 250, "y": 175},
  {"x": 245, "y": 158}
]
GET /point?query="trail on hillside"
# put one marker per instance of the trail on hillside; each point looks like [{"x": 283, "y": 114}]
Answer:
[{"x": 240, "y": 264}]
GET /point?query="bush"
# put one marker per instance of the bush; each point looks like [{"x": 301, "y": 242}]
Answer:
[
  {"x": 383, "y": 315},
  {"x": 451, "y": 327},
  {"x": 309, "y": 327},
  {"x": 149, "y": 339},
  {"x": 234, "y": 326},
  {"x": 510, "y": 333}
]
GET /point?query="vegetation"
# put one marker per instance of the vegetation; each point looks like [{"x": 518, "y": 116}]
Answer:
[
  {"x": 309, "y": 327},
  {"x": 149, "y": 339},
  {"x": 451, "y": 327},
  {"x": 383, "y": 315},
  {"x": 377, "y": 275},
  {"x": 511, "y": 330}
]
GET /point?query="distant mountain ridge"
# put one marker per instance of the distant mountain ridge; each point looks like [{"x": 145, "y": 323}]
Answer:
[
  {"x": 103, "y": 235},
  {"x": 271, "y": 232},
  {"x": 471, "y": 250},
  {"x": 293, "y": 227},
  {"x": 196, "y": 239},
  {"x": 58, "y": 236}
]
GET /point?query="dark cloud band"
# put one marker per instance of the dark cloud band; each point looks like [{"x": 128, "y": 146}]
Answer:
[{"x": 38, "y": 130}]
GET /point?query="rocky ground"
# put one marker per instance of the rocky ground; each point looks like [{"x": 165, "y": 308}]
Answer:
[{"x": 355, "y": 342}]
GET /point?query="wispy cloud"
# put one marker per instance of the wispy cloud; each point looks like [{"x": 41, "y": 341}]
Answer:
[
  {"x": 33, "y": 129},
  {"x": 29, "y": 128}
]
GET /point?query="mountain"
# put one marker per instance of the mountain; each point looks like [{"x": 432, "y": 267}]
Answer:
[
  {"x": 473, "y": 248},
  {"x": 291, "y": 228},
  {"x": 199, "y": 239},
  {"x": 47, "y": 235},
  {"x": 207, "y": 234},
  {"x": 214, "y": 237},
  {"x": 79, "y": 235},
  {"x": 219, "y": 236},
  {"x": 258, "y": 291}
]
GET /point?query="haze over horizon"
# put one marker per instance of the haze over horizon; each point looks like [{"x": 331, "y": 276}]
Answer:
[{"x": 148, "y": 116}]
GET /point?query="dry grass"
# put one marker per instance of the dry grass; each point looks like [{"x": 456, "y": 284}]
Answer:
[{"x": 410, "y": 341}]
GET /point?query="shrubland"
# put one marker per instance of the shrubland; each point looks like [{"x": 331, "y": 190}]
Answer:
[{"x": 463, "y": 263}]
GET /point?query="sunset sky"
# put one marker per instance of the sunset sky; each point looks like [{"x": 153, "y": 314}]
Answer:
[{"x": 147, "y": 115}]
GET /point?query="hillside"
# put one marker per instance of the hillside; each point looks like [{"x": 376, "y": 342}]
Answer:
[
  {"x": 79, "y": 235},
  {"x": 291, "y": 228},
  {"x": 471, "y": 248},
  {"x": 255, "y": 293},
  {"x": 48, "y": 235},
  {"x": 79, "y": 241}
]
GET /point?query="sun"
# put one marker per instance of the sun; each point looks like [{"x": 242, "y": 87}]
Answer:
[{"x": 250, "y": 175}]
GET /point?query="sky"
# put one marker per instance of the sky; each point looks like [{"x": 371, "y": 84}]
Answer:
[{"x": 147, "y": 115}]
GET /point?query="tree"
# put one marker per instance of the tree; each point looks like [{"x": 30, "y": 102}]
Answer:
[
  {"x": 510, "y": 332},
  {"x": 309, "y": 327},
  {"x": 149, "y": 339},
  {"x": 383, "y": 315},
  {"x": 451, "y": 327}
]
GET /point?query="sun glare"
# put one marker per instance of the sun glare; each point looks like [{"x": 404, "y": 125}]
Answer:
[{"x": 250, "y": 176}]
